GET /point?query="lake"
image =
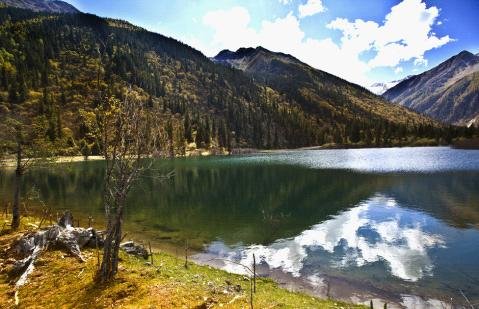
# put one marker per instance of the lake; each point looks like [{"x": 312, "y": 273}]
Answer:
[{"x": 397, "y": 224}]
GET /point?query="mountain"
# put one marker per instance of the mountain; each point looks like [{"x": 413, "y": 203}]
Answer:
[
  {"x": 449, "y": 92},
  {"x": 380, "y": 88},
  {"x": 334, "y": 101},
  {"x": 58, "y": 69},
  {"x": 51, "y": 6},
  {"x": 473, "y": 122}
]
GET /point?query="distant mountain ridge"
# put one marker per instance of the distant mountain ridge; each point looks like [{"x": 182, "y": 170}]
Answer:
[
  {"x": 449, "y": 92},
  {"x": 380, "y": 88},
  {"x": 51, "y": 6}
]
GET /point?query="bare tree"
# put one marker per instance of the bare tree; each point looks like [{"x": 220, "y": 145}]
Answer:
[
  {"x": 22, "y": 138},
  {"x": 128, "y": 139}
]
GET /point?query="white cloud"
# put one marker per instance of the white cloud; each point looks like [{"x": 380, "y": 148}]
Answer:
[
  {"x": 420, "y": 61},
  {"x": 405, "y": 35},
  {"x": 398, "y": 70},
  {"x": 231, "y": 27},
  {"x": 285, "y": 2},
  {"x": 310, "y": 8}
]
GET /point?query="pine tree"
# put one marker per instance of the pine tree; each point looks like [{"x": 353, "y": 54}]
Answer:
[
  {"x": 355, "y": 133},
  {"x": 59, "y": 124},
  {"x": 188, "y": 128},
  {"x": 23, "y": 90},
  {"x": 12, "y": 93},
  {"x": 4, "y": 78}
]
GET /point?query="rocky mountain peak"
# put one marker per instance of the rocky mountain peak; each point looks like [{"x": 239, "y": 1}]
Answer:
[{"x": 51, "y": 6}]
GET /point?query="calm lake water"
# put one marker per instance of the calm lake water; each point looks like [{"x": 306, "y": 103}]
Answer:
[{"x": 399, "y": 224}]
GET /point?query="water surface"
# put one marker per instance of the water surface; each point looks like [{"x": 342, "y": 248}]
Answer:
[{"x": 400, "y": 224}]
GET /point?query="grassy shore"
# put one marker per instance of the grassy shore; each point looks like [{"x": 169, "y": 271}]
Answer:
[
  {"x": 61, "y": 281},
  {"x": 11, "y": 162}
]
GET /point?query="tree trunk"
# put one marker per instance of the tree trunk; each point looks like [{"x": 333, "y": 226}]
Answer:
[
  {"x": 16, "y": 194},
  {"x": 111, "y": 248}
]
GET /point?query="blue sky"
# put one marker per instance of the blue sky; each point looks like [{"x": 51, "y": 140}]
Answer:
[{"x": 362, "y": 41}]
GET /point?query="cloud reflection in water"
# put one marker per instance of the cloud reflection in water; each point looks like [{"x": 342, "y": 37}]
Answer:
[{"x": 375, "y": 230}]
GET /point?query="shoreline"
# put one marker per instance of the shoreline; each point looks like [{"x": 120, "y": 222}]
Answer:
[
  {"x": 327, "y": 286},
  {"x": 161, "y": 281},
  {"x": 11, "y": 162},
  {"x": 324, "y": 286}
]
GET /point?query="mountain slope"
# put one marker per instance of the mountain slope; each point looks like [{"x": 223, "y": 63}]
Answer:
[
  {"x": 59, "y": 68},
  {"x": 449, "y": 92},
  {"x": 52, "y": 6},
  {"x": 331, "y": 98}
]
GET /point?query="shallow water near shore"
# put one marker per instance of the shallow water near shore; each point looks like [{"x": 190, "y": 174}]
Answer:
[{"x": 397, "y": 224}]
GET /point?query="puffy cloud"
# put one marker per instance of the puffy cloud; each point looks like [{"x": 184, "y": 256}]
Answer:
[
  {"x": 289, "y": 30},
  {"x": 405, "y": 35},
  {"x": 285, "y": 2},
  {"x": 398, "y": 70},
  {"x": 311, "y": 7},
  {"x": 420, "y": 61},
  {"x": 231, "y": 27}
]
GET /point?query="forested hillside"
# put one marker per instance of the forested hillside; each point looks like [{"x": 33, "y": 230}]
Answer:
[
  {"x": 351, "y": 112},
  {"x": 57, "y": 69}
]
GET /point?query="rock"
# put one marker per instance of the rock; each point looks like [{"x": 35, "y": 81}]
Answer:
[
  {"x": 207, "y": 303},
  {"x": 232, "y": 287},
  {"x": 134, "y": 249}
]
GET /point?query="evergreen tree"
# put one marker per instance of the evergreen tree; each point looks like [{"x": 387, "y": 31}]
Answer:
[
  {"x": 188, "y": 128},
  {"x": 355, "y": 133}
]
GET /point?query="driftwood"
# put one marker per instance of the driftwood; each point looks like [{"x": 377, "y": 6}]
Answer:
[
  {"x": 64, "y": 236},
  {"x": 61, "y": 235}
]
